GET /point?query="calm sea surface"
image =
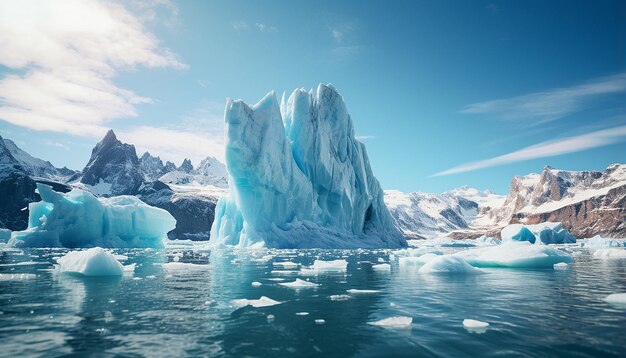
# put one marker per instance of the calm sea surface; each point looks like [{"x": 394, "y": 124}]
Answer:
[{"x": 187, "y": 310}]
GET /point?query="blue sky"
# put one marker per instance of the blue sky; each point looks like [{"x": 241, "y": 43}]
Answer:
[{"x": 443, "y": 93}]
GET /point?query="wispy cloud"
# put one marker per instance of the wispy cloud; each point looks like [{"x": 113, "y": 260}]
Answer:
[
  {"x": 65, "y": 56},
  {"x": 198, "y": 134},
  {"x": 265, "y": 27},
  {"x": 547, "y": 149},
  {"x": 363, "y": 138},
  {"x": 549, "y": 105},
  {"x": 240, "y": 25}
]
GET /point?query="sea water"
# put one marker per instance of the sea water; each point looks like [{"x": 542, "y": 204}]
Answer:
[{"x": 187, "y": 301}]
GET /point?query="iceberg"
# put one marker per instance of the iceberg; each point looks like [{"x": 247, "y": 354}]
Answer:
[
  {"x": 448, "y": 264},
  {"x": 298, "y": 283},
  {"x": 515, "y": 255},
  {"x": 598, "y": 241},
  {"x": 544, "y": 233},
  {"x": 93, "y": 262},
  {"x": 79, "y": 219},
  {"x": 298, "y": 178}
]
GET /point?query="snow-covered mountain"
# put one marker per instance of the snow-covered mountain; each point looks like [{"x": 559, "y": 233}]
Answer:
[
  {"x": 17, "y": 190},
  {"x": 36, "y": 167},
  {"x": 428, "y": 215},
  {"x": 113, "y": 168},
  {"x": 586, "y": 202},
  {"x": 210, "y": 171},
  {"x": 151, "y": 167}
]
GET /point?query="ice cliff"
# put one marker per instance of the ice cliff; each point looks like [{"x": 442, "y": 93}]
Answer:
[
  {"x": 79, "y": 219},
  {"x": 299, "y": 178}
]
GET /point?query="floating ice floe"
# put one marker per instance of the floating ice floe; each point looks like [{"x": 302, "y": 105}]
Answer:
[
  {"x": 393, "y": 322},
  {"x": 472, "y": 323},
  {"x": 256, "y": 284},
  {"x": 544, "y": 233},
  {"x": 611, "y": 253},
  {"x": 449, "y": 264},
  {"x": 561, "y": 266},
  {"x": 616, "y": 298},
  {"x": 79, "y": 219},
  {"x": 320, "y": 321},
  {"x": 302, "y": 313},
  {"x": 515, "y": 255},
  {"x": 92, "y": 262},
  {"x": 298, "y": 283},
  {"x": 261, "y": 302},
  {"x": 416, "y": 261},
  {"x": 183, "y": 266},
  {"x": 339, "y": 297},
  {"x": 16, "y": 276},
  {"x": 598, "y": 242},
  {"x": 286, "y": 264},
  {"x": 334, "y": 265},
  {"x": 382, "y": 267},
  {"x": 357, "y": 291}
]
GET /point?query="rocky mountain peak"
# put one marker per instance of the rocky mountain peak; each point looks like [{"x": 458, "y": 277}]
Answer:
[{"x": 186, "y": 166}]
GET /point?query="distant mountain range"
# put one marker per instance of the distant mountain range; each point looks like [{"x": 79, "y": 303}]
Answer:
[{"x": 586, "y": 202}]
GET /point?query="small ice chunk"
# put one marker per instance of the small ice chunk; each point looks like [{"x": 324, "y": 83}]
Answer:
[
  {"x": 516, "y": 255},
  {"x": 612, "y": 253},
  {"x": 394, "y": 322},
  {"x": 616, "y": 298},
  {"x": 130, "y": 268},
  {"x": 382, "y": 267},
  {"x": 16, "y": 276},
  {"x": 320, "y": 321},
  {"x": 256, "y": 284},
  {"x": 357, "y": 291},
  {"x": 416, "y": 261},
  {"x": 561, "y": 266},
  {"x": 334, "y": 265},
  {"x": 286, "y": 264},
  {"x": 449, "y": 264},
  {"x": 472, "y": 323},
  {"x": 276, "y": 279},
  {"x": 339, "y": 297},
  {"x": 270, "y": 318},
  {"x": 261, "y": 302},
  {"x": 302, "y": 313},
  {"x": 92, "y": 262},
  {"x": 381, "y": 260},
  {"x": 183, "y": 266},
  {"x": 298, "y": 283}
]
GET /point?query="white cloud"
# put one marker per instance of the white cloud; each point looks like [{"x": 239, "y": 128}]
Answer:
[
  {"x": 265, "y": 28},
  {"x": 552, "y": 104},
  {"x": 199, "y": 134},
  {"x": 363, "y": 138},
  {"x": 547, "y": 149},
  {"x": 64, "y": 56}
]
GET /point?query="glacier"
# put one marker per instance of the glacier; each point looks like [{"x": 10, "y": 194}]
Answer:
[
  {"x": 79, "y": 219},
  {"x": 298, "y": 178}
]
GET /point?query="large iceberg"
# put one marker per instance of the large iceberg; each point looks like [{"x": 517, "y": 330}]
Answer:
[
  {"x": 544, "y": 233},
  {"x": 298, "y": 178},
  {"x": 79, "y": 219}
]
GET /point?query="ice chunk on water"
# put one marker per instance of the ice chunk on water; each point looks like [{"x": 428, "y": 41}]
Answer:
[
  {"x": 357, "y": 291},
  {"x": 298, "y": 283},
  {"x": 382, "y": 267},
  {"x": 561, "y": 266},
  {"x": 302, "y": 313},
  {"x": 298, "y": 178},
  {"x": 16, "y": 276},
  {"x": 394, "y": 322},
  {"x": 415, "y": 261},
  {"x": 79, "y": 219},
  {"x": 448, "y": 264},
  {"x": 256, "y": 284},
  {"x": 544, "y": 233},
  {"x": 286, "y": 264},
  {"x": 261, "y": 302},
  {"x": 184, "y": 266},
  {"x": 616, "y": 298},
  {"x": 320, "y": 321},
  {"x": 612, "y": 253},
  {"x": 92, "y": 262},
  {"x": 334, "y": 265},
  {"x": 339, "y": 297},
  {"x": 516, "y": 255},
  {"x": 600, "y": 242},
  {"x": 472, "y": 323}
]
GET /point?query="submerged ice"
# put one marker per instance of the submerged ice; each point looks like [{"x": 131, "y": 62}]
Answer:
[
  {"x": 299, "y": 178},
  {"x": 79, "y": 219}
]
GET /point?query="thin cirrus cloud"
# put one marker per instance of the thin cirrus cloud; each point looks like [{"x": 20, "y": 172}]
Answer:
[
  {"x": 64, "y": 57},
  {"x": 550, "y": 105},
  {"x": 546, "y": 149}
]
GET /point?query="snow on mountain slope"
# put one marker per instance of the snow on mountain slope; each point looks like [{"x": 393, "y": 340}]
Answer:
[
  {"x": 34, "y": 166},
  {"x": 430, "y": 215},
  {"x": 210, "y": 172}
]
